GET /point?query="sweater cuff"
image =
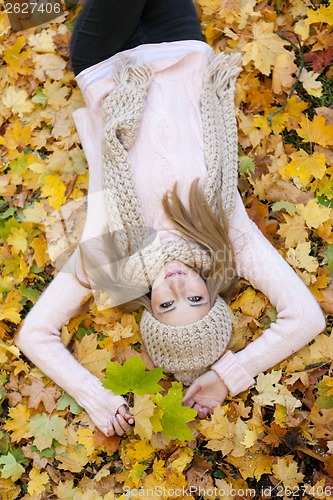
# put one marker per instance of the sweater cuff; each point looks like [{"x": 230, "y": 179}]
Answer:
[
  {"x": 235, "y": 377},
  {"x": 100, "y": 403}
]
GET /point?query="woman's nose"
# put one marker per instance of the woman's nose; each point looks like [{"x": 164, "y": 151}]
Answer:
[{"x": 177, "y": 283}]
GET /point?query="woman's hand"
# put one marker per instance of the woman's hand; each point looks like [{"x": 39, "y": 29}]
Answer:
[
  {"x": 121, "y": 422},
  {"x": 206, "y": 392}
]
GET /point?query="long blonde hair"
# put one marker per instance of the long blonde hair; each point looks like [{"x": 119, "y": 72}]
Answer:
[{"x": 200, "y": 225}]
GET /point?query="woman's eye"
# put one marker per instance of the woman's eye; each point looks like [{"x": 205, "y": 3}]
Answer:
[
  {"x": 196, "y": 298},
  {"x": 166, "y": 305}
]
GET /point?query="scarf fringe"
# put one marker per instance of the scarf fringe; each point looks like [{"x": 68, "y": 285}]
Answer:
[
  {"x": 125, "y": 73},
  {"x": 223, "y": 71}
]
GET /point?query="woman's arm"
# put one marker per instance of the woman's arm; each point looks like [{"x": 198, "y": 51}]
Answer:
[
  {"x": 299, "y": 317},
  {"x": 39, "y": 339}
]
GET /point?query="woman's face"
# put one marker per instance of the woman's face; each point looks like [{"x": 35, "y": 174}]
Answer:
[{"x": 179, "y": 295}]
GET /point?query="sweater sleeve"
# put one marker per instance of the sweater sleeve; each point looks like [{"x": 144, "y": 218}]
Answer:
[
  {"x": 39, "y": 339},
  {"x": 299, "y": 317}
]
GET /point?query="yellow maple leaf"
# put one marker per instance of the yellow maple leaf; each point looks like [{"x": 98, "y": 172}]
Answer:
[
  {"x": 18, "y": 240},
  {"x": 73, "y": 459},
  {"x": 219, "y": 431},
  {"x": 252, "y": 465},
  {"x": 17, "y": 60},
  {"x": 40, "y": 254},
  {"x": 316, "y": 131},
  {"x": 313, "y": 213},
  {"x": 17, "y": 100},
  {"x": 90, "y": 357},
  {"x": 56, "y": 94},
  {"x": 322, "y": 15},
  {"x": 265, "y": 47},
  {"x": 293, "y": 230},
  {"x": 321, "y": 349},
  {"x": 19, "y": 423},
  {"x": 11, "y": 307},
  {"x": 250, "y": 303},
  {"x": 143, "y": 410},
  {"x": 136, "y": 451},
  {"x": 270, "y": 392},
  {"x": 183, "y": 458},
  {"x": 86, "y": 438},
  {"x": 250, "y": 129},
  {"x": 286, "y": 470},
  {"x": 66, "y": 490},
  {"x": 54, "y": 189},
  {"x": 17, "y": 137},
  {"x": 38, "y": 481},
  {"x": 300, "y": 257},
  {"x": 305, "y": 166}
]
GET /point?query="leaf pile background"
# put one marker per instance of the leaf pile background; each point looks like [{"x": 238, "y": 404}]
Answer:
[{"x": 272, "y": 441}]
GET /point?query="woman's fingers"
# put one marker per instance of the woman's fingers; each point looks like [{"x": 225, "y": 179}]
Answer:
[
  {"x": 121, "y": 422},
  {"x": 124, "y": 412}
]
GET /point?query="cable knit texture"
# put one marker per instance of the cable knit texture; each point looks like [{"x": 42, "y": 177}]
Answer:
[{"x": 187, "y": 351}]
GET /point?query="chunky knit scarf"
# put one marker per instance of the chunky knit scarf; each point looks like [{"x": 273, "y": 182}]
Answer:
[{"x": 121, "y": 113}]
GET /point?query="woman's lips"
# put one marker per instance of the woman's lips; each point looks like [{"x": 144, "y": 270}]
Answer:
[{"x": 172, "y": 273}]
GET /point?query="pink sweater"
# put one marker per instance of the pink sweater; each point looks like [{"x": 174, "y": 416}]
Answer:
[{"x": 169, "y": 147}]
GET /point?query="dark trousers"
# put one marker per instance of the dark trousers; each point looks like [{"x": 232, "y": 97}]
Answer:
[{"x": 106, "y": 27}]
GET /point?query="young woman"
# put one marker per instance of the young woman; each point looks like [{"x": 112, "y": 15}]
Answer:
[{"x": 165, "y": 227}]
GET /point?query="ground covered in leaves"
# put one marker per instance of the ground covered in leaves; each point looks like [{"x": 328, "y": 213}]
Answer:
[{"x": 275, "y": 440}]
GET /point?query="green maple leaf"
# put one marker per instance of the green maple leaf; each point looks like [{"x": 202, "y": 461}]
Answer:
[
  {"x": 45, "y": 429},
  {"x": 132, "y": 377},
  {"x": 175, "y": 415},
  {"x": 12, "y": 469}
]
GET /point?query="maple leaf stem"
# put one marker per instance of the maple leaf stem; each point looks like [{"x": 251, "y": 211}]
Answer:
[{"x": 298, "y": 48}]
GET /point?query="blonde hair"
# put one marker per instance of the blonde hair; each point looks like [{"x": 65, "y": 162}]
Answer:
[{"x": 200, "y": 225}]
